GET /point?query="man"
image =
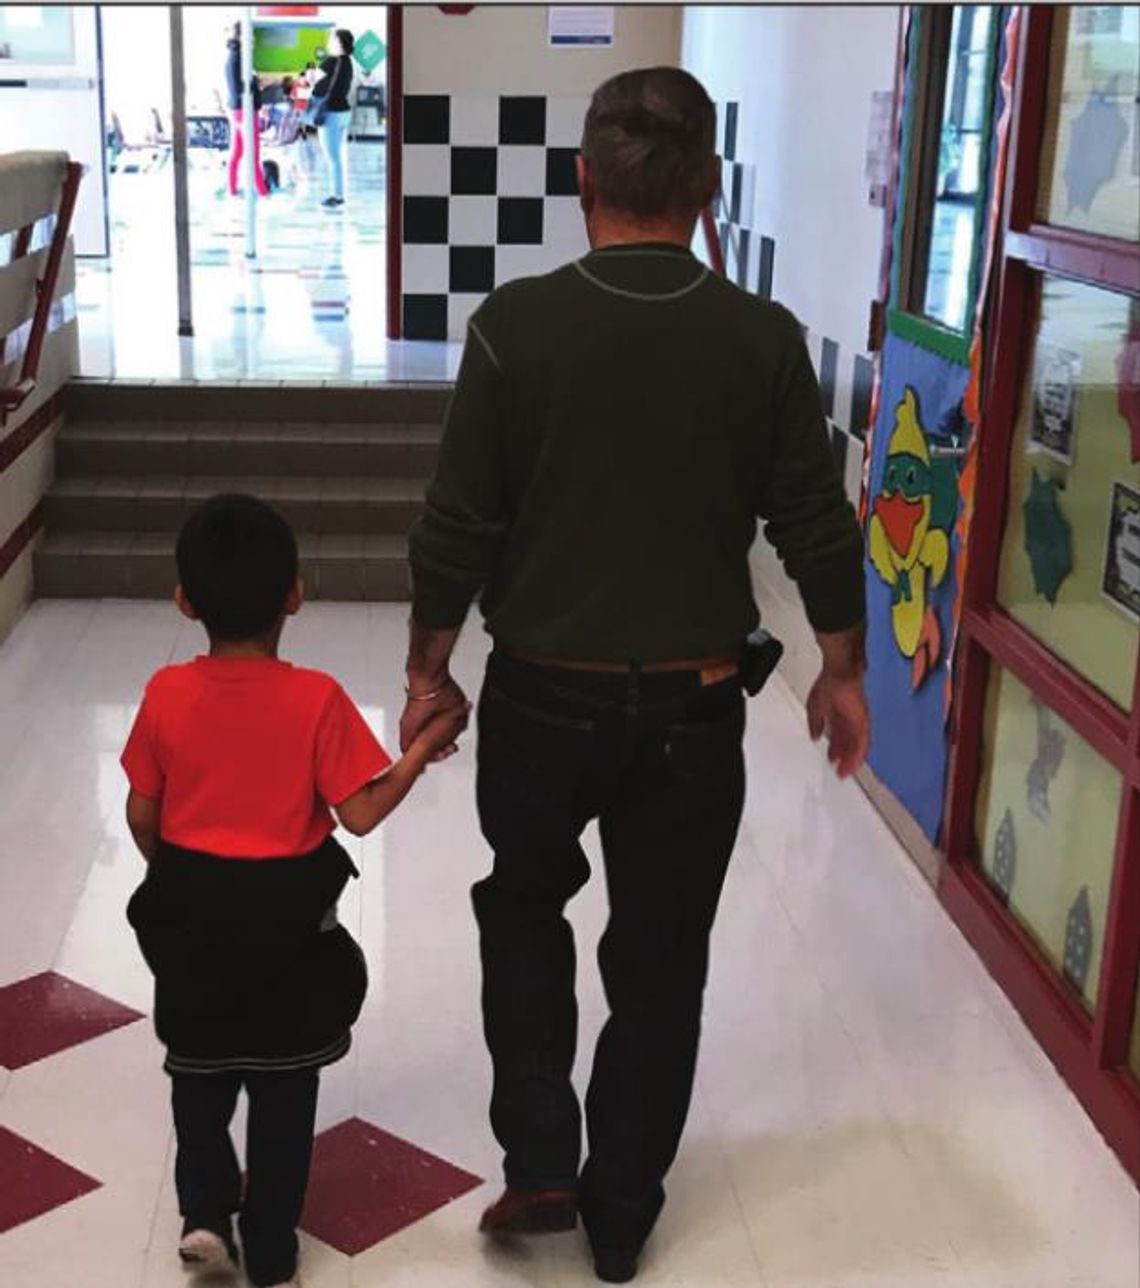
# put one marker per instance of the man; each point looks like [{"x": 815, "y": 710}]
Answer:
[{"x": 616, "y": 429}]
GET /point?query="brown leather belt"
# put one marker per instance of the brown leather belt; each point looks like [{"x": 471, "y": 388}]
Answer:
[{"x": 712, "y": 670}]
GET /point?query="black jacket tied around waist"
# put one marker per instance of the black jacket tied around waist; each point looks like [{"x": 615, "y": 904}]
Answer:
[{"x": 245, "y": 976}]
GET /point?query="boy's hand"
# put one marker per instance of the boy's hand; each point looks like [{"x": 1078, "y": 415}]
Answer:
[
  {"x": 437, "y": 738},
  {"x": 417, "y": 715}
]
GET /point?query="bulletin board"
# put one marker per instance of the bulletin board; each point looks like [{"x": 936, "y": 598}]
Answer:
[{"x": 280, "y": 48}]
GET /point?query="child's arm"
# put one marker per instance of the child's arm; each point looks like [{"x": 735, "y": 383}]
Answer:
[
  {"x": 364, "y": 809},
  {"x": 142, "y": 819}
]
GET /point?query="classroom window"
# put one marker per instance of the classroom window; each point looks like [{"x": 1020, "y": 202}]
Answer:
[
  {"x": 1090, "y": 173},
  {"x": 1070, "y": 558},
  {"x": 948, "y": 162},
  {"x": 1046, "y": 820}
]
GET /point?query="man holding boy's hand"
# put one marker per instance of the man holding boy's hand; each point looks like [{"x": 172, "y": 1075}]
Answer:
[{"x": 616, "y": 430}]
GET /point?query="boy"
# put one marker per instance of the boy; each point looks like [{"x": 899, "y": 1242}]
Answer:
[{"x": 237, "y": 762}]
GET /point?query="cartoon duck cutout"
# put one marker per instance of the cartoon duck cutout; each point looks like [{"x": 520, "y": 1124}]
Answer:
[{"x": 908, "y": 547}]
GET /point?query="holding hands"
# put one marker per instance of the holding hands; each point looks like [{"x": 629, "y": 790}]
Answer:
[{"x": 434, "y": 717}]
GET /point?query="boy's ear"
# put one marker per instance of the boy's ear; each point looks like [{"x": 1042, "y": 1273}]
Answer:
[
  {"x": 295, "y": 598},
  {"x": 184, "y": 605}
]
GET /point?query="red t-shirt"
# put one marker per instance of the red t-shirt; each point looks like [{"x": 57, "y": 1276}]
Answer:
[{"x": 248, "y": 754}]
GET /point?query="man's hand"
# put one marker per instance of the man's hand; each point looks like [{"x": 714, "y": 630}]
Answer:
[
  {"x": 838, "y": 707},
  {"x": 449, "y": 701}
]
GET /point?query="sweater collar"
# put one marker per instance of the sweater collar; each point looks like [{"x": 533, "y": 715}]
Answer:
[{"x": 641, "y": 248}]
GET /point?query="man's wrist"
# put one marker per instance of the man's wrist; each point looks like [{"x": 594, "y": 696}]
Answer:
[
  {"x": 844, "y": 653},
  {"x": 420, "y": 684}
]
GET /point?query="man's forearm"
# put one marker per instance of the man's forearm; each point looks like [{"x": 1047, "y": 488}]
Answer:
[
  {"x": 429, "y": 655},
  {"x": 844, "y": 652}
]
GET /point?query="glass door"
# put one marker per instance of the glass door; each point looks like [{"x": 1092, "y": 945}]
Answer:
[{"x": 1043, "y": 834}]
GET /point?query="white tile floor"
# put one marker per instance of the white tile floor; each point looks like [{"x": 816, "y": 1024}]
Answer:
[{"x": 870, "y": 1113}]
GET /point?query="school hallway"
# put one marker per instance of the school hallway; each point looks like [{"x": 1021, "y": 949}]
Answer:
[{"x": 870, "y": 1112}]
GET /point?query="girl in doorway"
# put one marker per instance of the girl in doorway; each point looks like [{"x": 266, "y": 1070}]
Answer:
[
  {"x": 333, "y": 88},
  {"x": 237, "y": 131}
]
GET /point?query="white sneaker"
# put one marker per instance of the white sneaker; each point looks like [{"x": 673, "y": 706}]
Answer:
[{"x": 205, "y": 1252}]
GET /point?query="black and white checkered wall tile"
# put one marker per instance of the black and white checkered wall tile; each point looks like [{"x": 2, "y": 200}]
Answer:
[
  {"x": 748, "y": 255},
  {"x": 843, "y": 406},
  {"x": 490, "y": 194}
]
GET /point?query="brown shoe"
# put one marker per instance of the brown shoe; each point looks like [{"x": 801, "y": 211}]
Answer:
[{"x": 531, "y": 1212}]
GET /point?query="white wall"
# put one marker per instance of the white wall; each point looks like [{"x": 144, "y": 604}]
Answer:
[
  {"x": 503, "y": 49},
  {"x": 803, "y": 77}
]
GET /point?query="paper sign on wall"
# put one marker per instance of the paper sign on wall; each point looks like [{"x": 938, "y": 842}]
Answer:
[
  {"x": 576, "y": 26},
  {"x": 877, "y": 165}
]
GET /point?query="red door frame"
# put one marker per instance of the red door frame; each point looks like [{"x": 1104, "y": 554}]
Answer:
[
  {"x": 395, "y": 168},
  {"x": 1091, "y": 1053}
]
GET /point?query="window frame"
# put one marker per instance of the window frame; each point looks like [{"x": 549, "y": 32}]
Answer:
[
  {"x": 928, "y": 59},
  {"x": 1090, "y": 1051}
]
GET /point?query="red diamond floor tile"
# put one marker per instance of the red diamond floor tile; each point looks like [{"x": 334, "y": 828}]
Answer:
[
  {"x": 34, "y": 1181},
  {"x": 48, "y": 1013},
  {"x": 367, "y": 1185}
]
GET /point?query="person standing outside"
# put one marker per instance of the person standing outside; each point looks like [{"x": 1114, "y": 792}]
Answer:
[
  {"x": 617, "y": 428},
  {"x": 237, "y": 118},
  {"x": 336, "y": 112}
]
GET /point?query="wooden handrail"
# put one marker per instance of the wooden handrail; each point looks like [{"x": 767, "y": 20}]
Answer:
[{"x": 13, "y": 396}]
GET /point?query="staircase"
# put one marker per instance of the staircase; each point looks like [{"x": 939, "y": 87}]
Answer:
[{"x": 347, "y": 467}]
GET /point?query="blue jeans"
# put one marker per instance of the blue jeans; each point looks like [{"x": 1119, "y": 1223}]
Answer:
[{"x": 334, "y": 132}]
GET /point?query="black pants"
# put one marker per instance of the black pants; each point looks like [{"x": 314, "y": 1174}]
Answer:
[
  {"x": 657, "y": 759},
  {"x": 279, "y": 1145}
]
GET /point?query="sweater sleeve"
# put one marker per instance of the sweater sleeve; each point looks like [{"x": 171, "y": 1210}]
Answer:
[
  {"x": 808, "y": 518},
  {"x": 455, "y": 545}
]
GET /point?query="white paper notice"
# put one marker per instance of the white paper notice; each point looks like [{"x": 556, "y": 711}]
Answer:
[{"x": 575, "y": 26}]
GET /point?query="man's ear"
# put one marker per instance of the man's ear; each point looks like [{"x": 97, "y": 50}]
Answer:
[
  {"x": 716, "y": 179},
  {"x": 295, "y": 598},
  {"x": 585, "y": 183},
  {"x": 185, "y": 607}
]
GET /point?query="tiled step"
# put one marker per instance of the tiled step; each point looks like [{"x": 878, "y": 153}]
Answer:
[
  {"x": 157, "y": 503},
  {"x": 258, "y": 447},
  {"x": 347, "y": 466},
  {"x": 96, "y": 565},
  {"x": 316, "y": 404}
]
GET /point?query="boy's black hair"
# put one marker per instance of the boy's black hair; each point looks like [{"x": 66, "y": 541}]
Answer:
[{"x": 237, "y": 562}]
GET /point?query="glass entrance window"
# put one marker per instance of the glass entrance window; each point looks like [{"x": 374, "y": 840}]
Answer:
[
  {"x": 1046, "y": 818},
  {"x": 1070, "y": 559},
  {"x": 960, "y": 179},
  {"x": 1090, "y": 174}
]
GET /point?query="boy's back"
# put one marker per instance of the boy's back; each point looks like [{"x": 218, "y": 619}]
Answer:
[{"x": 249, "y": 755}]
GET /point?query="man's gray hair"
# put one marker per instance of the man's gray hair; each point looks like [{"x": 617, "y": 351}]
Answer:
[{"x": 650, "y": 139}]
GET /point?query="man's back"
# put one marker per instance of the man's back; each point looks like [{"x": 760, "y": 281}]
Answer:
[{"x": 617, "y": 428}]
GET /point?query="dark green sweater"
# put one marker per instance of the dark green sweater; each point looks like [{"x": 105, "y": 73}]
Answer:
[{"x": 617, "y": 428}]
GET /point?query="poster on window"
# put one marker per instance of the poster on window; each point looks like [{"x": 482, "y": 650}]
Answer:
[
  {"x": 1121, "y": 583},
  {"x": 1056, "y": 386}
]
